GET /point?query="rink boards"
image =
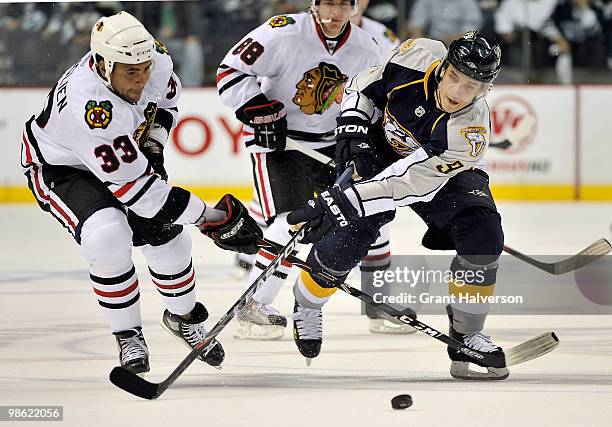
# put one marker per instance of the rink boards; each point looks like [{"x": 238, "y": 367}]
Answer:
[{"x": 560, "y": 143}]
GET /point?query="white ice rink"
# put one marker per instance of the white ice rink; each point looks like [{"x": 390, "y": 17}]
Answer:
[{"x": 56, "y": 349}]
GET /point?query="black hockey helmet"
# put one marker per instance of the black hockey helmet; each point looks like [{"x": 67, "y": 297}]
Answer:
[{"x": 475, "y": 56}]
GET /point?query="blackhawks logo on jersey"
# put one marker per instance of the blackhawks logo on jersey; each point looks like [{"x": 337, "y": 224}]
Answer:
[
  {"x": 319, "y": 89},
  {"x": 391, "y": 35},
  {"x": 281, "y": 21},
  {"x": 476, "y": 137},
  {"x": 142, "y": 131},
  {"x": 98, "y": 116},
  {"x": 161, "y": 48}
]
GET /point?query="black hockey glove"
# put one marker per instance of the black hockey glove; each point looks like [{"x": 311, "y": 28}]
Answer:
[
  {"x": 353, "y": 146},
  {"x": 330, "y": 210},
  {"x": 238, "y": 232},
  {"x": 154, "y": 152},
  {"x": 269, "y": 122}
]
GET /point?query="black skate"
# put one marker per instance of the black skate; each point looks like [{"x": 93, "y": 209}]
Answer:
[
  {"x": 191, "y": 332},
  {"x": 460, "y": 365},
  {"x": 133, "y": 351},
  {"x": 380, "y": 323},
  {"x": 307, "y": 330}
]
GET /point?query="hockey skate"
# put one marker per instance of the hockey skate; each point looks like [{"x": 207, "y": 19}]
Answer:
[
  {"x": 133, "y": 351},
  {"x": 380, "y": 324},
  {"x": 307, "y": 330},
  {"x": 190, "y": 331},
  {"x": 259, "y": 322},
  {"x": 243, "y": 262},
  {"x": 460, "y": 363}
]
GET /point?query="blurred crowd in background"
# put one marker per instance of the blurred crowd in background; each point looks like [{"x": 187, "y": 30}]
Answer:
[{"x": 543, "y": 41}]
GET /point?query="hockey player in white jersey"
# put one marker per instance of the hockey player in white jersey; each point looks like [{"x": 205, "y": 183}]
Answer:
[
  {"x": 376, "y": 260},
  {"x": 385, "y": 37},
  {"x": 285, "y": 78},
  {"x": 425, "y": 152},
  {"x": 94, "y": 160}
]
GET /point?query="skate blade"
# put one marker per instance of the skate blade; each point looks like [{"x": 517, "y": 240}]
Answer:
[
  {"x": 163, "y": 325},
  {"x": 462, "y": 371},
  {"x": 308, "y": 361},
  {"x": 253, "y": 332},
  {"x": 386, "y": 327},
  {"x": 532, "y": 349}
]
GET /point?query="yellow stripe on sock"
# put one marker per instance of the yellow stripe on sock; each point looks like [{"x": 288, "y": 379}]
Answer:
[
  {"x": 314, "y": 288},
  {"x": 456, "y": 289}
]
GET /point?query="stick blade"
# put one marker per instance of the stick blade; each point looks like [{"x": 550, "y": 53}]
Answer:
[
  {"x": 132, "y": 383},
  {"x": 531, "y": 349},
  {"x": 584, "y": 257}
]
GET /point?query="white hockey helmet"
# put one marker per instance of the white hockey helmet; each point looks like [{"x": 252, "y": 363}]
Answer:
[
  {"x": 123, "y": 39},
  {"x": 314, "y": 7}
]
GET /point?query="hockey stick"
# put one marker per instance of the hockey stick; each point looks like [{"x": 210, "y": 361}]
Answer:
[
  {"x": 527, "y": 350},
  {"x": 582, "y": 258},
  {"x": 589, "y": 254},
  {"x": 140, "y": 387},
  {"x": 132, "y": 383}
]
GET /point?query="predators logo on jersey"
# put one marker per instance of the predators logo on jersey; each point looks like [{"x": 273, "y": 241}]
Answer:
[
  {"x": 476, "y": 137},
  {"x": 281, "y": 21},
  {"x": 142, "y": 131},
  {"x": 98, "y": 116},
  {"x": 404, "y": 47},
  {"x": 401, "y": 140},
  {"x": 319, "y": 89}
]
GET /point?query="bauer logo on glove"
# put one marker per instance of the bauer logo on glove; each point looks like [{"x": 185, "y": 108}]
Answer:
[
  {"x": 233, "y": 231},
  {"x": 237, "y": 232}
]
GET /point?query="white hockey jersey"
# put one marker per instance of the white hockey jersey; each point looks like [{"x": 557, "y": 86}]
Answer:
[
  {"x": 88, "y": 126},
  {"x": 426, "y": 145},
  {"x": 385, "y": 37},
  {"x": 288, "y": 59}
]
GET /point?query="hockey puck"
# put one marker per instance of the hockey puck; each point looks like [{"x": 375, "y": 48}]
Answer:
[{"x": 401, "y": 401}]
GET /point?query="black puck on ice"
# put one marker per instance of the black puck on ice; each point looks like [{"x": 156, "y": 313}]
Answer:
[{"x": 401, "y": 401}]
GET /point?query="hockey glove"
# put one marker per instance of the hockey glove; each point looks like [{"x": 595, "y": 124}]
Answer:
[
  {"x": 238, "y": 232},
  {"x": 154, "y": 152},
  {"x": 327, "y": 212},
  {"x": 269, "y": 122},
  {"x": 353, "y": 146}
]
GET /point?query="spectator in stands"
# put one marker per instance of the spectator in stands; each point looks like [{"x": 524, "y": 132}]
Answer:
[
  {"x": 608, "y": 31},
  {"x": 516, "y": 20},
  {"x": 444, "y": 20},
  {"x": 581, "y": 24},
  {"x": 488, "y": 8},
  {"x": 181, "y": 26}
]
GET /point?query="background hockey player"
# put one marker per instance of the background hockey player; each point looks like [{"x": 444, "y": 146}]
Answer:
[
  {"x": 385, "y": 37},
  {"x": 94, "y": 160},
  {"x": 429, "y": 145},
  {"x": 285, "y": 78},
  {"x": 379, "y": 256}
]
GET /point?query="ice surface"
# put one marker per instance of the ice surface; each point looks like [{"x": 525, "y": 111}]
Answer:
[{"x": 56, "y": 349}]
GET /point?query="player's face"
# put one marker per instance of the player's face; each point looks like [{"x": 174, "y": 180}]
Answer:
[
  {"x": 456, "y": 90},
  {"x": 334, "y": 14},
  {"x": 129, "y": 80},
  {"x": 304, "y": 97}
]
